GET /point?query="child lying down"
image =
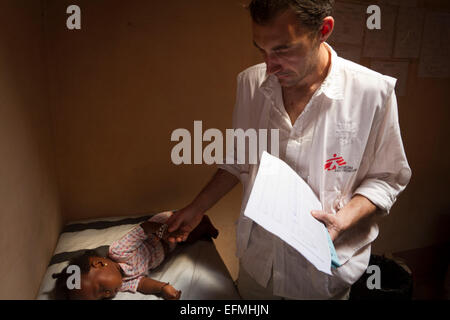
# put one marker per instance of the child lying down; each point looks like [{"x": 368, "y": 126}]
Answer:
[{"x": 129, "y": 260}]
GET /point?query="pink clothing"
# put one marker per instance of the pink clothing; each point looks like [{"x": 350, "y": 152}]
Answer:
[{"x": 137, "y": 253}]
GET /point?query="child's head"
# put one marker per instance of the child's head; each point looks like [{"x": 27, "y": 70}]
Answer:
[{"x": 100, "y": 278}]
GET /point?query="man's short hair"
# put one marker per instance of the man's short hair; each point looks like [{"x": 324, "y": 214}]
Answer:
[{"x": 309, "y": 12}]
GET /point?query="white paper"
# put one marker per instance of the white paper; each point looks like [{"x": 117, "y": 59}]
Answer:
[{"x": 281, "y": 202}]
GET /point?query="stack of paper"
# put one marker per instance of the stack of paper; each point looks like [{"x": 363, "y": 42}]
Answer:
[{"x": 281, "y": 202}]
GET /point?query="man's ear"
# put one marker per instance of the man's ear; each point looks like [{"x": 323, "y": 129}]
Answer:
[{"x": 327, "y": 28}]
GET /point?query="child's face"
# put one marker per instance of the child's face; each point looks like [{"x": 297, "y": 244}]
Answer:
[{"x": 102, "y": 282}]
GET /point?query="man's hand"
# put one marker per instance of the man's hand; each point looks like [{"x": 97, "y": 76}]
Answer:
[
  {"x": 170, "y": 293},
  {"x": 182, "y": 222},
  {"x": 175, "y": 234},
  {"x": 357, "y": 209},
  {"x": 186, "y": 219},
  {"x": 331, "y": 221}
]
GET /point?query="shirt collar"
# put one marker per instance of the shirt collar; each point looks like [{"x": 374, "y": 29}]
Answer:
[{"x": 331, "y": 86}]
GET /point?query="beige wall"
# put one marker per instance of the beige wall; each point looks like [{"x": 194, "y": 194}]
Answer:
[
  {"x": 135, "y": 72},
  {"x": 29, "y": 213}
]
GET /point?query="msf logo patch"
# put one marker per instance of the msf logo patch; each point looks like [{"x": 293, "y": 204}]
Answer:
[{"x": 338, "y": 164}]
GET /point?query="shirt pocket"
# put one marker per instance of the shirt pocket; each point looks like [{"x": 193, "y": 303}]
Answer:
[{"x": 346, "y": 132}]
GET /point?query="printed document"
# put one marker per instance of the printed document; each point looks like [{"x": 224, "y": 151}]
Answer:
[{"x": 281, "y": 202}]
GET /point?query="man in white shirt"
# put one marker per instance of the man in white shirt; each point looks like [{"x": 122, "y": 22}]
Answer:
[{"x": 338, "y": 129}]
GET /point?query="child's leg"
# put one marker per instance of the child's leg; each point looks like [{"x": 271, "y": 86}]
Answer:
[
  {"x": 205, "y": 230},
  {"x": 162, "y": 217}
]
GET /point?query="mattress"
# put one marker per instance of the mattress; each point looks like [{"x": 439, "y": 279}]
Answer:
[{"x": 195, "y": 269}]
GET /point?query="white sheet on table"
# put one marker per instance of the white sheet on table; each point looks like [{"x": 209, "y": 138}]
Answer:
[{"x": 197, "y": 269}]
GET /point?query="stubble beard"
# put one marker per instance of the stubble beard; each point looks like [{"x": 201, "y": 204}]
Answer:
[{"x": 312, "y": 60}]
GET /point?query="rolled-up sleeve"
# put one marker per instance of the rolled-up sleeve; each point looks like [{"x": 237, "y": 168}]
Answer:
[
  {"x": 389, "y": 171},
  {"x": 131, "y": 285}
]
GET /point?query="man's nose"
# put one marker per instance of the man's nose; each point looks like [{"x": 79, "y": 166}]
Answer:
[{"x": 272, "y": 63}]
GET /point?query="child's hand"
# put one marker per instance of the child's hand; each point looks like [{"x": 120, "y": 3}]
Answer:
[{"x": 170, "y": 293}]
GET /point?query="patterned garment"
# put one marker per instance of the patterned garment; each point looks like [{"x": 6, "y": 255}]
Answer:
[{"x": 137, "y": 253}]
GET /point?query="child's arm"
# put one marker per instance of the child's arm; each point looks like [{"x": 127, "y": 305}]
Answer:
[{"x": 151, "y": 286}]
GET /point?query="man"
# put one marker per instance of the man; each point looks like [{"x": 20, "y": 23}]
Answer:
[{"x": 338, "y": 129}]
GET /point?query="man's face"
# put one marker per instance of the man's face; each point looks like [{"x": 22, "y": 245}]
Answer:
[{"x": 289, "y": 50}]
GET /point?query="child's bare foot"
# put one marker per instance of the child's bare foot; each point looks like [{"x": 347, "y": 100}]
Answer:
[
  {"x": 205, "y": 230},
  {"x": 209, "y": 228}
]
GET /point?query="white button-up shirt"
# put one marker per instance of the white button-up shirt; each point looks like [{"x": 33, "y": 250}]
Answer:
[{"x": 346, "y": 141}]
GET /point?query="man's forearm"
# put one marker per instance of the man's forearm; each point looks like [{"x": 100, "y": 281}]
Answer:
[
  {"x": 221, "y": 183},
  {"x": 357, "y": 209}
]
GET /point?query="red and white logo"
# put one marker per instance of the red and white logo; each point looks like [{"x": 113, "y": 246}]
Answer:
[{"x": 337, "y": 164}]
